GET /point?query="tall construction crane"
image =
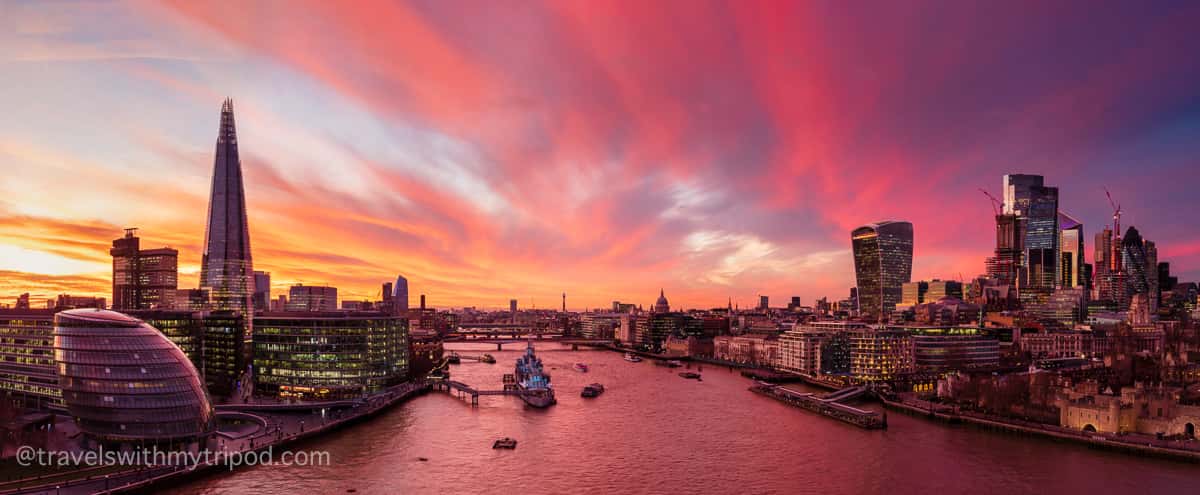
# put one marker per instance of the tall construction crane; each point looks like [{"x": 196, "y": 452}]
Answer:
[
  {"x": 997, "y": 205},
  {"x": 1116, "y": 212}
]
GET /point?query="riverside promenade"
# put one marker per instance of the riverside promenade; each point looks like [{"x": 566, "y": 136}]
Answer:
[
  {"x": 279, "y": 426},
  {"x": 1130, "y": 443}
]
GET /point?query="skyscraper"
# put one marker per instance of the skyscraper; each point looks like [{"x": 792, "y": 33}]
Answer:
[
  {"x": 226, "y": 269},
  {"x": 262, "y": 291},
  {"x": 1071, "y": 243},
  {"x": 1140, "y": 258},
  {"x": 1036, "y": 209},
  {"x": 1109, "y": 271},
  {"x": 143, "y": 278},
  {"x": 400, "y": 294},
  {"x": 882, "y": 264}
]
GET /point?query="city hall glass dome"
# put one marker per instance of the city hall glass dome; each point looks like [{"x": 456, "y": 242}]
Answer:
[{"x": 123, "y": 380}]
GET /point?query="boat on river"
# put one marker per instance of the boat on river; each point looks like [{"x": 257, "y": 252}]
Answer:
[
  {"x": 592, "y": 390},
  {"x": 533, "y": 381}
]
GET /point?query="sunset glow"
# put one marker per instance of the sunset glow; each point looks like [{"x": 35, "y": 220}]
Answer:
[{"x": 602, "y": 149}]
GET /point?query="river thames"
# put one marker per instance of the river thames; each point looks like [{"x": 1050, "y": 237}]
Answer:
[{"x": 654, "y": 432}]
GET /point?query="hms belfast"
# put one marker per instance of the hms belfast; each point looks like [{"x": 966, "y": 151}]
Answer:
[{"x": 226, "y": 271}]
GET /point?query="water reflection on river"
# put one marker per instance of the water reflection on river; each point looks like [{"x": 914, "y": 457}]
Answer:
[{"x": 654, "y": 432}]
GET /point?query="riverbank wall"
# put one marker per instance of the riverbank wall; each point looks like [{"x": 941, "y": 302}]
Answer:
[{"x": 1094, "y": 440}]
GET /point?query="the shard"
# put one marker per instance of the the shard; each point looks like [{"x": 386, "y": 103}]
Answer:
[{"x": 226, "y": 271}]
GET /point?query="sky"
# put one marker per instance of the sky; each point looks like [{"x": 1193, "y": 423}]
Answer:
[{"x": 605, "y": 149}]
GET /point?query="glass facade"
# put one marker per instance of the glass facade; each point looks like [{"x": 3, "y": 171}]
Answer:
[
  {"x": 1140, "y": 259},
  {"x": 226, "y": 269},
  {"x": 954, "y": 348},
  {"x": 123, "y": 380},
  {"x": 317, "y": 356},
  {"x": 882, "y": 265},
  {"x": 1036, "y": 207}
]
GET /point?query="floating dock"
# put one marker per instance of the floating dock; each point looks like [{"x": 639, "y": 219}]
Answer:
[{"x": 827, "y": 406}]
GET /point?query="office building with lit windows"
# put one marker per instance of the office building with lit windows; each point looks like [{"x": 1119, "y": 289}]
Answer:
[
  {"x": 881, "y": 354},
  {"x": 953, "y": 348},
  {"x": 27, "y": 374},
  {"x": 212, "y": 341},
  {"x": 328, "y": 355}
]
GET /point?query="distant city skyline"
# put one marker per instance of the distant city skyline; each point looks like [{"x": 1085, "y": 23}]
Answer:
[{"x": 487, "y": 167}]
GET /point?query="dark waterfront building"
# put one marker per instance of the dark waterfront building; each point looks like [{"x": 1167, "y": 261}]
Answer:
[
  {"x": 27, "y": 372},
  {"x": 262, "y": 291},
  {"x": 212, "y": 341},
  {"x": 143, "y": 278},
  {"x": 226, "y": 269},
  {"x": 333, "y": 355},
  {"x": 425, "y": 352},
  {"x": 882, "y": 264},
  {"x": 311, "y": 298},
  {"x": 835, "y": 354},
  {"x": 124, "y": 381}
]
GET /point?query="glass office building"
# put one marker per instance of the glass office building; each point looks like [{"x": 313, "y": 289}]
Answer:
[
  {"x": 226, "y": 269},
  {"x": 323, "y": 356},
  {"x": 124, "y": 381},
  {"x": 212, "y": 340},
  {"x": 953, "y": 348},
  {"x": 882, "y": 265}
]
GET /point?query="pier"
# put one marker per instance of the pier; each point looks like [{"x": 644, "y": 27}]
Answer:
[
  {"x": 829, "y": 406},
  {"x": 465, "y": 357},
  {"x": 465, "y": 391}
]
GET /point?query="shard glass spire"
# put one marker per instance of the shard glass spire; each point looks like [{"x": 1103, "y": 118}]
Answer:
[{"x": 226, "y": 270}]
